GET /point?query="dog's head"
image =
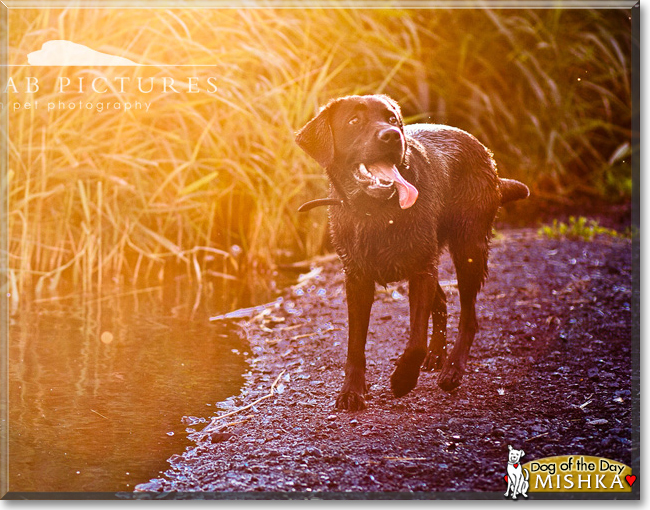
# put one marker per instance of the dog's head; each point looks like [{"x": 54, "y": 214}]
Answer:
[
  {"x": 514, "y": 455},
  {"x": 360, "y": 141}
]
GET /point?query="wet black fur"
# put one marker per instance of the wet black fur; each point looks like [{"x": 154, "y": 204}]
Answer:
[{"x": 377, "y": 241}]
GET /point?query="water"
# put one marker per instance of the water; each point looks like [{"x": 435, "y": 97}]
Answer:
[{"x": 98, "y": 391}]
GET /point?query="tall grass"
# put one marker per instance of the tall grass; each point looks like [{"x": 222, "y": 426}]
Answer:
[{"x": 207, "y": 185}]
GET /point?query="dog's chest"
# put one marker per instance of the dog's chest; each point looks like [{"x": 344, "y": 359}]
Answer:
[
  {"x": 514, "y": 470},
  {"x": 384, "y": 248}
]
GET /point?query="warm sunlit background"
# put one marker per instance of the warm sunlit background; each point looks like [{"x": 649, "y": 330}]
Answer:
[
  {"x": 198, "y": 196},
  {"x": 125, "y": 197}
]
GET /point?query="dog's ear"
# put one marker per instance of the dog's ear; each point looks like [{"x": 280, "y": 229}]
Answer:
[
  {"x": 316, "y": 139},
  {"x": 509, "y": 447},
  {"x": 522, "y": 453}
]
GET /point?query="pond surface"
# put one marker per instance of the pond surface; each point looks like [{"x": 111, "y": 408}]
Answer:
[{"x": 101, "y": 393}]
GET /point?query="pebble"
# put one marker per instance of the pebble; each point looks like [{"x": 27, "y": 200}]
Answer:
[
  {"x": 497, "y": 432},
  {"x": 313, "y": 451},
  {"x": 607, "y": 442}
]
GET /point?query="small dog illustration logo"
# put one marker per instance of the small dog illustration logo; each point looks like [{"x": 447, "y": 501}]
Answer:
[{"x": 517, "y": 478}]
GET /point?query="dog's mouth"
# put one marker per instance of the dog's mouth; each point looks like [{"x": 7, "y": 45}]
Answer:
[{"x": 382, "y": 180}]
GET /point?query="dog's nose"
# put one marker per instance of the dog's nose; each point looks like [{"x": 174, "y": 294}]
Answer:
[{"x": 390, "y": 135}]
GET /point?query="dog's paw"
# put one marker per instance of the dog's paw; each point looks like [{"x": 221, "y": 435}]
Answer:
[
  {"x": 450, "y": 377},
  {"x": 406, "y": 373},
  {"x": 350, "y": 401},
  {"x": 433, "y": 360}
]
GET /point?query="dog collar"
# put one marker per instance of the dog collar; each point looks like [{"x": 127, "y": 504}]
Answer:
[{"x": 319, "y": 202}]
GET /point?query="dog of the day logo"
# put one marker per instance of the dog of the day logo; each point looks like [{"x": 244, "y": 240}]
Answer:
[
  {"x": 567, "y": 473},
  {"x": 517, "y": 477}
]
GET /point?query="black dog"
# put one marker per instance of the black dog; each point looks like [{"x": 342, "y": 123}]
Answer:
[{"x": 399, "y": 195}]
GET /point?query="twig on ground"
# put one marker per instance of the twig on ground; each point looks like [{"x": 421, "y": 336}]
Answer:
[
  {"x": 236, "y": 422},
  {"x": 328, "y": 330},
  {"x": 407, "y": 459},
  {"x": 585, "y": 404},
  {"x": 99, "y": 414},
  {"x": 288, "y": 328},
  {"x": 244, "y": 313},
  {"x": 211, "y": 426},
  {"x": 304, "y": 279},
  {"x": 535, "y": 437}
]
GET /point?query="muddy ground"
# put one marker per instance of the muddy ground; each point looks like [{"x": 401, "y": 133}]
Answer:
[{"x": 550, "y": 372}]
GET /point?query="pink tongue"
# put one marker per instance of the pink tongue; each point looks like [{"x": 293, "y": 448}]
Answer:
[{"x": 408, "y": 193}]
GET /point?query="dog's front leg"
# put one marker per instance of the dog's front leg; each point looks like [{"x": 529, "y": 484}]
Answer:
[
  {"x": 422, "y": 290},
  {"x": 360, "y": 295},
  {"x": 519, "y": 486}
]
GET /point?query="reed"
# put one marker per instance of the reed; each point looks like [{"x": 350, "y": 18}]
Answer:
[{"x": 207, "y": 186}]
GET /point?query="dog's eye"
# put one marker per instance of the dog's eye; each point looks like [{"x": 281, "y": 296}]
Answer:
[
  {"x": 393, "y": 120},
  {"x": 353, "y": 120}
]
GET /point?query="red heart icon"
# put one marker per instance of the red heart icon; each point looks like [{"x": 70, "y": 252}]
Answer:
[
  {"x": 516, "y": 465},
  {"x": 630, "y": 480},
  {"x": 505, "y": 478}
]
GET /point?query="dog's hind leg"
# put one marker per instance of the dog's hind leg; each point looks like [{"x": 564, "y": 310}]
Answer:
[
  {"x": 422, "y": 291},
  {"x": 438, "y": 341},
  {"x": 471, "y": 268},
  {"x": 360, "y": 295},
  {"x": 525, "y": 484}
]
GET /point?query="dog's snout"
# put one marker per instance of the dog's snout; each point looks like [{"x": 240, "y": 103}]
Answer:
[{"x": 390, "y": 135}]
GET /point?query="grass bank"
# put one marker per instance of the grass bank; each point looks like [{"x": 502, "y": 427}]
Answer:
[{"x": 206, "y": 185}]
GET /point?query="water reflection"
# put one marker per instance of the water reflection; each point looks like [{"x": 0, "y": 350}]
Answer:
[{"x": 98, "y": 390}]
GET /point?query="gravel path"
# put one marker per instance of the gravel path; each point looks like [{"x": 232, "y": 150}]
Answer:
[{"x": 550, "y": 372}]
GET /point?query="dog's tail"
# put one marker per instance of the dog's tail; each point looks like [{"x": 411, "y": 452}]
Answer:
[
  {"x": 526, "y": 475},
  {"x": 512, "y": 190}
]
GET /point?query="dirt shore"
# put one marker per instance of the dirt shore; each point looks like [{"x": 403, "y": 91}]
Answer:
[{"x": 550, "y": 372}]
